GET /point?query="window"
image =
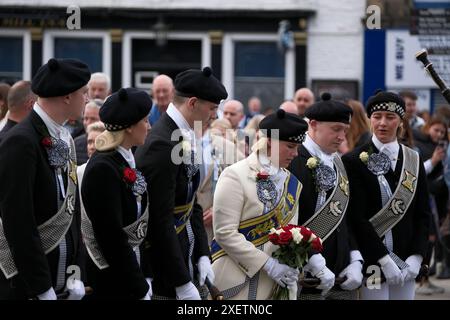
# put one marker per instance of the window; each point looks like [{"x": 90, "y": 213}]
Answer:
[
  {"x": 87, "y": 50},
  {"x": 91, "y": 47},
  {"x": 259, "y": 71},
  {"x": 11, "y": 63}
]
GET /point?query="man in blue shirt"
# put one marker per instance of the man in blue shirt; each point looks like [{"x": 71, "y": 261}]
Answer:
[{"x": 162, "y": 93}]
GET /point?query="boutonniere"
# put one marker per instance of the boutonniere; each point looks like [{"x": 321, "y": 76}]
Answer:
[
  {"x": 266, "y": 189},
  {"x": 134, "y": 180},
  {"x": 186, "y": 147},
  {"x": 57, "y": 150},
  {"x": 312, "y": 162},
  {"x": 262, "y": 175},
  {"x": 364, "y": 156},
  {"x": 324, "y": 176},
  {"x": 377, "y": 163}
]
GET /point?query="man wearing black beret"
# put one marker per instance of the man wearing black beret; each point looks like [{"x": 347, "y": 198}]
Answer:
[
  {"x": 179, "y": 251},
  {"x": 324, "y": 201},
  {"x": 389, "y": 210},
  {"x": 40, "y": 236}
]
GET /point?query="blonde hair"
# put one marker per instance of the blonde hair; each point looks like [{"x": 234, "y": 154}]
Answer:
[{"x": 109, "y": 140}]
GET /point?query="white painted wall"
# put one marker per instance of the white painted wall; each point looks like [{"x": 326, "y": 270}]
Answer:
[
  {"x": 174, "y": 4},
  {"x": 336, "y": 40}
]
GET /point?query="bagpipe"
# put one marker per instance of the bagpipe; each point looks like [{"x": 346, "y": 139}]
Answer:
[{"x": 422, "y": 56}]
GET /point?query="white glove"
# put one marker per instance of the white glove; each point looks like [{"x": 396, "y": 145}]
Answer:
[
  {"x": 326, "y": 280},
  {"x": 47, "y": 295},
  {"x": 204, "y": 270},
  {"x": 317, "y": 267},
  {"x": 412, "y": 271},
  {"x": 281, "y": 273},
  {"x": 187, "y": 292},
  {"x": 391, "y": 271},
  {"x": 75, "y": 288},
  {"x": 149, "y": 292},
  {"x": 354, "y": 275},
  {"x": 315, "y": 264}
]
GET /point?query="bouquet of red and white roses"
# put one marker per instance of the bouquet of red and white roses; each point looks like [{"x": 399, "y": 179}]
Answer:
[{"x": 295, "y": 242}]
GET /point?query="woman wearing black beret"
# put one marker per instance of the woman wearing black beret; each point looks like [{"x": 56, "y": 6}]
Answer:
[
  {"x": 114, "y": 195},
  {"x": 388, "y": 210}
]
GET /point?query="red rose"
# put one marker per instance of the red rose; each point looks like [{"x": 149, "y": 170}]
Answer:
[
  {"x": 306, "y": 233},
  {"x": 274, "y": 238},
  {"x": 289, "y": 227},
  {"x": 47, "y": 142},
  {"x": 316, "y": 244},
  {"x": 129, "y": 175},
  {"x": 262, "y": 175},
  {"x": 285, "y": 238}
]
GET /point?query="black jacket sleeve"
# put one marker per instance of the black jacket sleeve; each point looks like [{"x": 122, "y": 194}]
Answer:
[
  {"x": 160, "y": 173},
  {"x": 370, "y": 244},
  {"x": 17, "y": 184},
  {"x": 100, "y": 190}
]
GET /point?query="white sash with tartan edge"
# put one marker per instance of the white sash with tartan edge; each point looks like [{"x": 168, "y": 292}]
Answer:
[
  {"x": 52, "y": 231},
  {"x": 330, "y": 215},
  {"x": 136, "y": 233},
  {"x": 395, "y": 208}
]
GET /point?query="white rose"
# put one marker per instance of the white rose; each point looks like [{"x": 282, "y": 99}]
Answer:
[
  {"x": 296, "y": 235},
  {"x": 186, "y": 146},
  {"x": 272, "y": 231},
  {"x": 364, "y": 156},
  {"x": 312, "y": 163},
  {"x": 279, "y": 231},
  {"x": 313, "y": 236}
]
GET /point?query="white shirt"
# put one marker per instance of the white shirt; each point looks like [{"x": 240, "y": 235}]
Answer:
[
  {"x": 316, "y": 151},
  {"x": 391, "y": 149},
  {"x": 128, "y": 156},
  {"x": 182, "y": 124},
  {"x": 56, "y": 130}
]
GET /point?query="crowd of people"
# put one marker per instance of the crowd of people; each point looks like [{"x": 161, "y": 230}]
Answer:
[{"x": 162, "y": 195}]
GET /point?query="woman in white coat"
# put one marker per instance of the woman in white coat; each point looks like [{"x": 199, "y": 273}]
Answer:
[{"x": 251, "y": 197}]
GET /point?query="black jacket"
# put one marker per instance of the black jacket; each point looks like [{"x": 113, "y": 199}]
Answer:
[
  {"x": 111, "y": 205},
  {"x": 28, "y": 198},
  {"x": 337, "y": 247},
  {"x": 410, "y": 235},
  {"x": 81, "y": 148},
  {"x": 8, "y": 126},
  {"x": 169, "y": 188}
]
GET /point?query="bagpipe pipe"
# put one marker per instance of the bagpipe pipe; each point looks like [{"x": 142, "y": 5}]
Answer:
[{"x": 422, "y": 56}]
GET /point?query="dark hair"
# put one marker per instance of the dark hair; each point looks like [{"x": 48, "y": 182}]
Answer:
[{"x": 436, "y": 119}]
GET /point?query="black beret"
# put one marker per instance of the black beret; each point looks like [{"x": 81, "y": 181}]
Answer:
[
  {"x": 59, "y": 77},
  {"x": 201, "y": 84},
  {"x": 329, "y": 110},
  {"x": 124, "y": 108},
  {"x": 385, "y": 101},
  {"x": 291, "y": 127}
]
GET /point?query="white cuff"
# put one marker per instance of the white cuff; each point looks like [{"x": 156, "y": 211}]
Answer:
[
  {"x": 428, "y": 166},
  {"x": 384, "y": 260},
  {"x": 355, "y": 255},
  {"x": 47, "y": 295}
]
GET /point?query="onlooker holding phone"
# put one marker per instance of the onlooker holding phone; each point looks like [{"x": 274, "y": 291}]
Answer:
[{"x": 432, "y": 142}]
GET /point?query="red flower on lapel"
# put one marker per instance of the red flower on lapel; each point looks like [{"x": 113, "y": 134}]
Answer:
[
  {"x": 129, "y": 175},
  {"x": 262, "y": 175},
  {"x": 47, "y": 142}
]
